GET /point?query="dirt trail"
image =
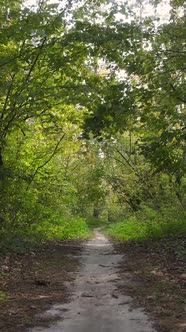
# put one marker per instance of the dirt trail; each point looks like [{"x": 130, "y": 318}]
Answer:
[{"x": 96, "y": 304}]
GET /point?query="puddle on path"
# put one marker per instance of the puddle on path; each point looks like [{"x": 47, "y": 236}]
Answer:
[{"x": 96, "y": 304}]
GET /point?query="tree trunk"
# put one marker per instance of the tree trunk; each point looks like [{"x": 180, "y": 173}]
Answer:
[
  {"x": 1, "y": 158},
  {"x": 96, "y": 212}
]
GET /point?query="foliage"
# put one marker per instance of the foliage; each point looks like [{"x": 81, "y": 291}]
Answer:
[
  {"x": 149, "y": 225},
  {"x": 95, "y": 222},
  {"x": 92, "y": 117},
  {"x": 150, "y": 98},
  {"x": 26, "y": 236}
]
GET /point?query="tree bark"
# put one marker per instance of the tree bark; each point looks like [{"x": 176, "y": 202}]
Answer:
[
  {"x": 1, "y": 158},
  {"x": 96, "y": 212}
]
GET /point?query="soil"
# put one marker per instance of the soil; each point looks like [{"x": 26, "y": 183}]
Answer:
[
  {"x": 31, "y": 282},
  {"x": 156, "y": 279},
  {"x": 96, "y": 304},
  {"x": 151, "y": 275}
]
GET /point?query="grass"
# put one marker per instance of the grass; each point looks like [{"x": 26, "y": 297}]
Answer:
[
  {"x": 61, "y": 229},
  {"x": 95, "y": 222},
  {"x": 24, "y": 238},
  {"x": 133, "y": 229},
  {"x": 154, "y": 244}
]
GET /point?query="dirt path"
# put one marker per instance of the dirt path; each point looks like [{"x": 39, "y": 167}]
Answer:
[{"x": 96, "y": 304}]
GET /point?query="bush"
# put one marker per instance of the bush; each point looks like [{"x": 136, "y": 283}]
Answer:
[
  {"x": 95, "y": 222},
  {"x": 158, "y": 226},
  {"x": 29, "y": 236},
  {"x": 60, "y": 229}
]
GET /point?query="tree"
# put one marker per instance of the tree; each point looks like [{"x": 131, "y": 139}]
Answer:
[
  {"x": 48, "y": 85},
  {"x": 91, "y": 107}
]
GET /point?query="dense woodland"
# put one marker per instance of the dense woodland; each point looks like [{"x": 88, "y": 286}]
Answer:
[{"x": 92, "y": 118}]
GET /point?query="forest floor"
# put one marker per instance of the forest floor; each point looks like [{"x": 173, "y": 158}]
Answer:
[
  {"x": 156, "y": 275},
  {"x": 31, "y": 282},
  {"x": 94, "y": 286}
]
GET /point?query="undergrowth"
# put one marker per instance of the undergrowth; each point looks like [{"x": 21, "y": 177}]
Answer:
[
  {"x": 22, "y": 238},
  {"x": 95, "y": 222},
  {"x": 148, "y": 224}
]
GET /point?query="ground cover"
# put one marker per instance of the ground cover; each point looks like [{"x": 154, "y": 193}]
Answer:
[
  {"x": 152, "y": 228},
  {"x": 21, "y": 238},
  {"x": 154, "y": 249},
  {"x": 156, "y": 279},
  {"x": 32, "y": 281},
  {"x": 151, "y": 272}
]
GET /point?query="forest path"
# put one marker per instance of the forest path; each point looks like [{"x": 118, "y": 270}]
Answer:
[{"x": 96, "y": 304}]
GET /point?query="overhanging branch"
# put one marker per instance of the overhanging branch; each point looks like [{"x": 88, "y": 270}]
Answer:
[{"x": 46, "y": 161}]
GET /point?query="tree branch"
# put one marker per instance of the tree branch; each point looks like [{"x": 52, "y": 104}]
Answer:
[
  {"x": 176, "y": 94},
  {"x": 135, "y": 171},
  {"x": 47, "y": 161},
  {"x": 7, "y": 97}
]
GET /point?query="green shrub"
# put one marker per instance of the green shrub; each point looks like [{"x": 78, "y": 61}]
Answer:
[
  {"x": 29, "y": 236},
  {"x": 95, "y": 222},
  {"x": 60, "y": 229},
  {"x": 133, "y": 229}
]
